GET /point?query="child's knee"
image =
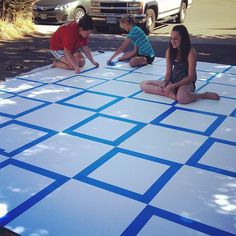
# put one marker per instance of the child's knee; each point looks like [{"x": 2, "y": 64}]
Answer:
[
  {"x": 132, "y": 62},
  {"x": 182, "y": 99},
  {"x": 81, "y": 62}
]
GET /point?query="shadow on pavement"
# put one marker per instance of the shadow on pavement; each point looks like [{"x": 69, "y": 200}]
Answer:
[{"x": 31, "y": 52}]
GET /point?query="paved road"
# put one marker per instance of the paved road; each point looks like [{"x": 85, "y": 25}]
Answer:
[{"x": 211, "y": 21}]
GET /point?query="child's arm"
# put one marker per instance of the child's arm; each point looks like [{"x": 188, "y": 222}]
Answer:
[
  {"x": 123, "y": 46},
  {"x": 71, "y": 59},
  {"x": 89, "y": 55}
]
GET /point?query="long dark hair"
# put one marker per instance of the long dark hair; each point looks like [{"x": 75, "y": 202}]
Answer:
[{"x": 185, "y": 44}]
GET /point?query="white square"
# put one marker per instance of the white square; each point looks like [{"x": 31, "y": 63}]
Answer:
[
  {"x": 122, "y": 66},
  {"x": 3, "y": 158},
  {"x": 165, "y": 143},
  {"x": 225, "y": 79},
  {"x": 189, "y": 120},
  {"x": 223, "y": 106},
  {"x": 51, "y": 75},
  {"x": 137, "y": 110},
  {"x": 16, "y": 136},
  {"x": 200, "y": 195},
  {"x": 154, "y": 69},
  {"x": 226, "y": 130},
  {"x": 56, "y": 117},
  {"x": 4, "y": 95},
  {"x": 64, "y": 154},
  {"x": 50, "y": 93},
  {"x": 199, "y": 84},
  {"x": 125, "y": 171},
  {"x": 81, "y": 82},
  {"x": 138, "y": 77},
  {"x": 104, "y": 73},
  {"x": 222, "y": 90},
  {"x": 105, "y": 128},
  {"x": 117, "y": 88},
  {"x": 18, "y": 185},
  {"x": 90, "y": 100},
  {"x": 221, "y": 156},
  {"x": 205, "y": 66},
  {"x": 204, "y": 75},
  {"x": 4, "y": 119},
  {"x": 160, "y": 61},
  {"x": 232, "y": 70},
  {"x": 95, "y": 211},
  {"x": 17, "y": 85},
  {"x": 154, "y": 98},
  {"x": 16, "y": 105},
  {"x": 166, "y": 227}
]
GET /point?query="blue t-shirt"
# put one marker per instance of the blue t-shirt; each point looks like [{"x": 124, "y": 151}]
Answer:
[{"x": 141, "y": 41}]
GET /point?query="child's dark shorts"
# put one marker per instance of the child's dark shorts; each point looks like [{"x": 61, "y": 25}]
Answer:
[{"x": 148, "y": 58}]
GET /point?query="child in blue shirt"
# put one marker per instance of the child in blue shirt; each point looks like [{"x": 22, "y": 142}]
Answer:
[{"x": 143, "y": 53}]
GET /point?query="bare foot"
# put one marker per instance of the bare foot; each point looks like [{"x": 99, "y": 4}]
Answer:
[{"x": 210, "y": 95}]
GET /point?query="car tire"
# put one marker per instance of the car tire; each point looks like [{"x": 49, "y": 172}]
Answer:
[
  {"x": 182, "y": 13},
  {"x": 79, "y": 13},
  {"x": 150, "y": 21}
]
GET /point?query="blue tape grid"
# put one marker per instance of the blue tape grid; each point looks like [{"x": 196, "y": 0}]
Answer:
[{"x": 83, "y": 176}]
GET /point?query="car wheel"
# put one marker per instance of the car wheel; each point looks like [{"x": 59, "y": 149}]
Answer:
[
  {"x": 182, "y": 13},
  {"x": 79, "y": 13},
  {"x": 150, "y": 21}
]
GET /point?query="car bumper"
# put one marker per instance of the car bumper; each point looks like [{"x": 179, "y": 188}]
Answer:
[
  {"x": 113, "y": 20},
  {"x": 56, "y": 17}
]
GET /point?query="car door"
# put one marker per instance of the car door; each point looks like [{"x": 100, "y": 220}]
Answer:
[{"x": 168, "y": 7}]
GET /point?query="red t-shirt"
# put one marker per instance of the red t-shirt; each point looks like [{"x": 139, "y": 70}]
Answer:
[{"x": 67, "y": 36}]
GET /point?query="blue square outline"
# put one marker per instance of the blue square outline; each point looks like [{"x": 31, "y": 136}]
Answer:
[
  {"x": 149, "y": 211},
  {"x": 133, "y": 72},
  {"x": 65, "y": 101},
  {"x": 31, "y": 201},
  {"x": 144, "y": 99},
  {"x": 196, "y": 157},
  {"x": 40, "y": 84},
  {"x": 214, "y": 125},
  {"x": 127, "y": 134},
  {"x": 149, "y": 194},
  {"x": 43, "y": 104},
  {"x": 48, "y": 133}
]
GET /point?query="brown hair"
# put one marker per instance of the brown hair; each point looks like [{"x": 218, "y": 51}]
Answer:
[{"x": 127, "y": 19}]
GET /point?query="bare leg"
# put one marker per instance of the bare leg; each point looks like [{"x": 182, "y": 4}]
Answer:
[
  {"x": 153, "y": 87},
  {"x": 186, "y": 94},
  {"x": 128, "y": 55},
  {"x": 62, "y": 65},
  {"x": 79, "y": 59},
  {"x": 138, "y": 61}
]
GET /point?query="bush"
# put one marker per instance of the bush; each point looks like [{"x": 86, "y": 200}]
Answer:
[
  {"x": 15, "y": 19},
  {"x": 10, "y": 9}
]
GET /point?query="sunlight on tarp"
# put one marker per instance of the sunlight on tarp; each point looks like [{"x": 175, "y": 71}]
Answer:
[
  {"x": 6, "y": 102},
  {"x": 45, "y": 91},
  {"x": 225, "y": 203},
  {"x": 3, "y": 209}
]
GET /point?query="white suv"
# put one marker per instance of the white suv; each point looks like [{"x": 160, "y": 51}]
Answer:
[{"x": 146, "y": 12}]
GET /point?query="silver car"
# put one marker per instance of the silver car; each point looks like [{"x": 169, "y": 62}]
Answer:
[{"x": 59, "y": 11}]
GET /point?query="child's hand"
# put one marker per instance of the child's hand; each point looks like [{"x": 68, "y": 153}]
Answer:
[
  {"x": 163, "y": 84},
  {"x": 96, "y": 64},
  {"x": 77, "y": 70},
  {"x": 110, "y": 63}
]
